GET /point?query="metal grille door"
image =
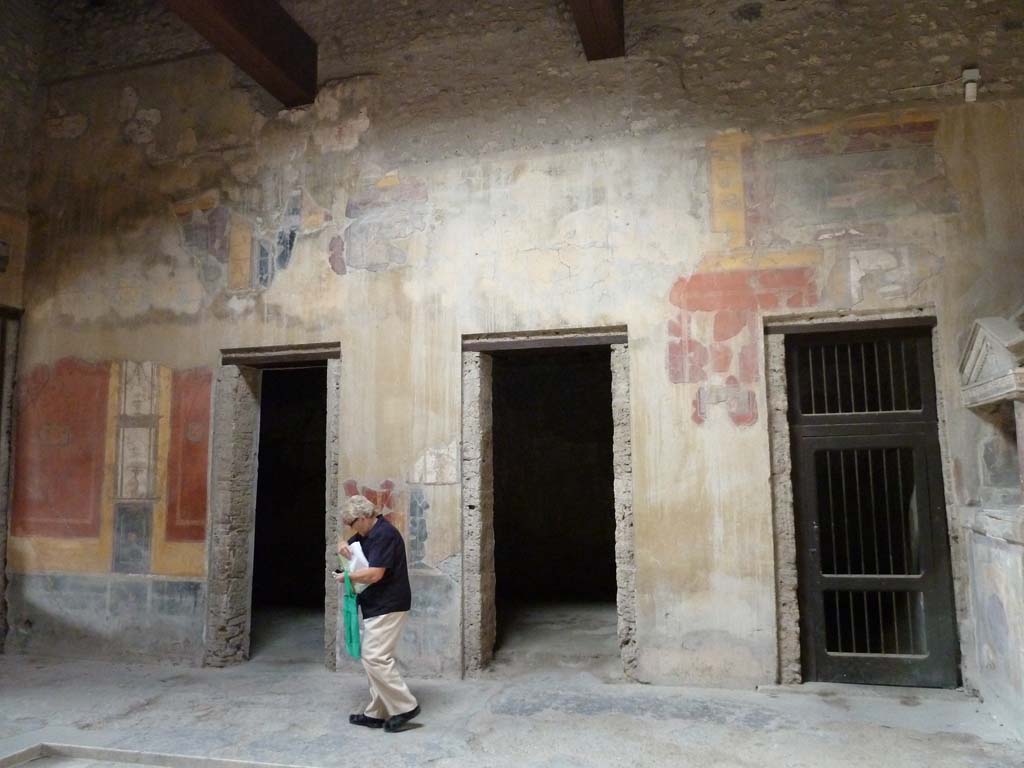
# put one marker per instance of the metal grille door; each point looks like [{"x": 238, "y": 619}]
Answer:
[{"x": 876, "y": 601}]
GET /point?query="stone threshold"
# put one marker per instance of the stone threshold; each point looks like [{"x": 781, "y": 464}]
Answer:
[
  {"x": 46, "y": 750},
  {"x": 837, "y": 690}
]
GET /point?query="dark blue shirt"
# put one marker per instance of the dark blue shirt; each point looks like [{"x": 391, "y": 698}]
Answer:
[{"x": 384, "y": 548}]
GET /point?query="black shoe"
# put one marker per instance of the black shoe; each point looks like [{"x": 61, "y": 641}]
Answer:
[
  {"x": 369, "y": 722},
  {"x": 395, "y": 722}
]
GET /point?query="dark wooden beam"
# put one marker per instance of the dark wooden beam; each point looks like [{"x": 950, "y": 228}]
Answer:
[
  {"x": 262, "y": 39},
  {"x": 601, "y": 27}
]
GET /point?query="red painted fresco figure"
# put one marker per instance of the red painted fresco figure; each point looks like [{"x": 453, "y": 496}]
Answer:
[{"x": 385, "y": 605}]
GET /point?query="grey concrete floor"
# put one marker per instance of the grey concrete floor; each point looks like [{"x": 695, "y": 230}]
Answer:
[
  {"x": 531, "y": 710},
  {"x": 287, "y": 635},
  {"x": 556, "y": 638}
]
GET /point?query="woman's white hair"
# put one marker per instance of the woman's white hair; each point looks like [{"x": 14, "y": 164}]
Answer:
[{"x": 356, "y": 507}]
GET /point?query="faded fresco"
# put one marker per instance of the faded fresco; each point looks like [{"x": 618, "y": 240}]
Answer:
[
  {"x": 61, "y": 426},
  {"x": 130, "y": 443},
  {"x": 177, "y": 215},
  {"x": 816, "y": 218}
]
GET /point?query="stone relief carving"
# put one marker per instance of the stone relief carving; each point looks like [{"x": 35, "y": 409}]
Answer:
[{"x": 991, "y": 366}]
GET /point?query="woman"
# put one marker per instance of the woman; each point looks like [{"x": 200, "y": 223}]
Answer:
[{"x": 385, "y": 605}]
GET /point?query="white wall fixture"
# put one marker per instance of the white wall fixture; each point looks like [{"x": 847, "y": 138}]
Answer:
[{"x": 971, "y": 78}]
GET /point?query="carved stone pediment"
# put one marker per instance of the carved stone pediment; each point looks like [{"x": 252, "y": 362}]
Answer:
[{"x": 991, "y": 366}]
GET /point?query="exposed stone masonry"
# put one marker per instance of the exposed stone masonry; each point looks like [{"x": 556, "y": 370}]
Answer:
[
  {"x": 622, "y": 469},
  {"x": 21, "y": 43},
  {"x": 478, "y": 609},
  {"x": 332, "y": 503},
  {"x": 232, "y": 524},
  {"x": 9, "y": 328},
  {"x": 787, "y": 621},
  {"x": 86, "y": 37}
]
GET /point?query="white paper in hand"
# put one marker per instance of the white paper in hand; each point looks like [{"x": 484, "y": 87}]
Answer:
[{"x": 357, "y": 561}]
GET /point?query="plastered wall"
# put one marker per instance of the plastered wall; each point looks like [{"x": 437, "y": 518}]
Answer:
[{"x": 175, "y": 214}]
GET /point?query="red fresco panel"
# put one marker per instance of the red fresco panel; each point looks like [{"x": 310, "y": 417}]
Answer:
[
  {"x": 59, "y": 449},
  {"x": 189, "y": 455}
]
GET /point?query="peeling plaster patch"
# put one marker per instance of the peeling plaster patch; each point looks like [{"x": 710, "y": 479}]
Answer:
[
  {"x": 385, "y": 213},
  {"x": 336, "y": 255},
  {"x": 343, "y": 137},
  {"x": 376, "y": 245},
  {"x": 327, "y": 106},
  {"x": 418, "y": 506},
  {"x": 240, "y": 304},
  {"x": 438, "y": 466},
  {"x": 294, "y": 116},
  {"x": 886, "y": 267},
  {"x": 138, "y": 127},
  {"x": 245, "y": 170},
  {"x": 66, "y": 126},
  {"x": 314, "y": 216},
  {"x": 388, "y": 192},
  {"x": 129, "y": 103},
  {"x": 127, "y": 288},
  {"x": 452, "y": 568},
  {"x": 839, "y": 234},
  {"x": 206, "y": 232}
]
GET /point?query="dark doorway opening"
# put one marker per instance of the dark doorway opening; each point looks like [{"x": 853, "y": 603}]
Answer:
[
  {"x": 554, "y": 505},
  {"x": 288, "y": 560}
]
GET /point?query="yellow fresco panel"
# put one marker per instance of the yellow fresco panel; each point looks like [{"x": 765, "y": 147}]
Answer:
[
  {"x": 203, "y": 202},
  {"x": 42, "y": 554},
  {"x": 240, "y": 254},
  {"x": 877, "y": 120},
  {"x": 728, "y": 197},
  {"x": 748, "y": 258}
]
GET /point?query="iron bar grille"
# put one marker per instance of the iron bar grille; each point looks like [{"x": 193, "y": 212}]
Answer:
[
  {"x": 874, "y": 580},
  {"x": 867, "y": 507},
  {"x": 875, "y": 622},
  {"x": 868, "y": 376}
]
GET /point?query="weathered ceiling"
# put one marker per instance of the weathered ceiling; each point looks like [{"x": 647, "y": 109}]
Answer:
[
  {"x": 739, "y": 62},
  {"x": 262, "y": 39}
]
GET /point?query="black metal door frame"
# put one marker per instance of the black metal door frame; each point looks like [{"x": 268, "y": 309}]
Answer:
[{"x": 937, "y": 663}]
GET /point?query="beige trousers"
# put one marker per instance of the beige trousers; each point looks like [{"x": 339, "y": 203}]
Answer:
[{"x": 389, "y": 695}]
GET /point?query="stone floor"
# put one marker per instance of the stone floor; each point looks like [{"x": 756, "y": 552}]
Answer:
[
  {"x": 552, "y": 699},
  {"x": 557, "y": 638},
  {"x": 296, "y": 713},
  {"x": 287, "y": 635}
]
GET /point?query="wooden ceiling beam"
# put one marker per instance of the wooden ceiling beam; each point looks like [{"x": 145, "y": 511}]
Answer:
[
  {"x": 601, "y": 27},
  {"x": 262, "y": 39}
]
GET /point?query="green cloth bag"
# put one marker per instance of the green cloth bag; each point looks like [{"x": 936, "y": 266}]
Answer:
[{"x": 350, "y": 613}]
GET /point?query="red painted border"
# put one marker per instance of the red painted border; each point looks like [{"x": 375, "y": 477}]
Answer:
[
  {"x": 59, "y": 449},
  {"x": 189, "y": 455}
]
